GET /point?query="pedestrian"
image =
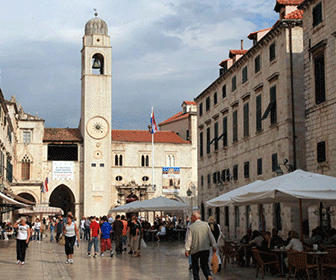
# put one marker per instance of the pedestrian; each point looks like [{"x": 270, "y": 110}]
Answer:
[
  {"x": 94, "y": 235},
  {"x": 118, "y": 227},
  {"x": 52, "y": 229},
  {"x": 87, "y": 229},
  {"x": 198, "y": 241},
  {"x": 70, "y": 232},
  {"x": 105, "y": 241},
  {"x": 22, "y": 239},
  {"x": 216, "y": 232},
  {"x": 82, "y": 228},
  {"x": 124, "y": 232},
  {"x": 134, "y": 235},
  {"x": 59, "y": 228},
  {"x": 37, "y": 229}
]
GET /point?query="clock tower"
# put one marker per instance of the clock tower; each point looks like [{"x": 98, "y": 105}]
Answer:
[{"x": 96, "y": 118}]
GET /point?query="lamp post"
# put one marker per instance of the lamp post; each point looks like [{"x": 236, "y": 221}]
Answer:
[{"x": 189, "y": 194}]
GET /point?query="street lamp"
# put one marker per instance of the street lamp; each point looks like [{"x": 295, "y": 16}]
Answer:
[{"x": 189, "y": 194}]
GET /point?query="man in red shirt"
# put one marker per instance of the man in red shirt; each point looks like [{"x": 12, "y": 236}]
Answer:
[{"x": 94, "y": 236}]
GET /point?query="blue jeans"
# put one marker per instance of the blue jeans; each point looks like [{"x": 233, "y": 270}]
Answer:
[
  {"x": 94, "y": 241},
  {"x": 51, "y": 235}
]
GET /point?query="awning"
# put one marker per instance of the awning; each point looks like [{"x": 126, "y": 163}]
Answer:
[
  {"x": 7, "y": 201},
  {"x": 18, "y": 198},
  {"x": 44, "y": 210}
]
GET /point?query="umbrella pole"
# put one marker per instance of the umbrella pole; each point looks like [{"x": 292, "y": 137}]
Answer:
[{"x": 301, "y": 220}]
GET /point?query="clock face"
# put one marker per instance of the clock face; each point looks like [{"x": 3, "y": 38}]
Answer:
[{"x": 97, "y": 127}]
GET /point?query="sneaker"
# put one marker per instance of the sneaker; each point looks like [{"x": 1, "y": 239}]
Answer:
[
  {"x": 18, "y": 262},
  {"x": 102, "y": 254},
  {"x": 67, "y": 261},
  {"x": 89, "y": 254},
  {"x": 95, "y": 256},
  {"x": 22, "y": 263},
  {"x": 71, "y": 261},
  {"x": 111, "y": 254}
]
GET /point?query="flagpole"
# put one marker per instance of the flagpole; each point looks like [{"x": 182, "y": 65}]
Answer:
[{"x": 153, "y": 180}]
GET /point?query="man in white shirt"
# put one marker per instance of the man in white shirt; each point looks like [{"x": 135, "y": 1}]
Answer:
[{"x": 199, "y": 239}]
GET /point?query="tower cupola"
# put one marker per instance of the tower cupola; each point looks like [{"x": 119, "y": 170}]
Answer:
[{"x": 96, "y": 26}]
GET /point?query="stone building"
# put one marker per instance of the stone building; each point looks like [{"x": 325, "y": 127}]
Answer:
[
  {"x": 247, "y": 119},
  {"x": 90, "y": 169},
  {"x": 319, "y": 29}
]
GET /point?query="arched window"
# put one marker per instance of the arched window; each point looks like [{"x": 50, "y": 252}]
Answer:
[
  {"x": 98, "y": 64},
  {"x": 169, "y": 161},
  {"x": 172, "y": 160},
  {"x": 116, "y": 161},
  {"x": 147, "y": 160},
  {"x": 120, "y": 160},
  {"x": 25, "y": 168},
  {"x": 142, "y": 160}
]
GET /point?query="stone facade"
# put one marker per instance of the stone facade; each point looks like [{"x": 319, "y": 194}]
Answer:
[
  {"x": 246, "y": 117},
  {"x": 320, "y": 41}
]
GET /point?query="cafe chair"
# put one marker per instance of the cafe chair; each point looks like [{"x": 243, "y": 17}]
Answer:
[
  {"x": 298, "y": 262},
  {"x": 260, "y": 258},
  {"x": 329, "y": 261},
  {"x": 229, "y": 253}
]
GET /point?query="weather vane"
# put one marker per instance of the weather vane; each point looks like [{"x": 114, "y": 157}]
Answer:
[{"x": 95, "y": 12}]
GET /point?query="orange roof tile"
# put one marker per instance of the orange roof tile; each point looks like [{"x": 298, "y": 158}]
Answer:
[
  {"x": 251, "y": 35},
  {"x": 232, "y": 53},
  {"x": 189, "y": 102},
  {"x": 145, "y": 136},
  {"x": 280, "y": 3},
  {"x": 297, "y": 14},
  {"x": 62, "y": 135},
  {"x": 222, "y": 62},
  {"x": 176, "y": 117}
]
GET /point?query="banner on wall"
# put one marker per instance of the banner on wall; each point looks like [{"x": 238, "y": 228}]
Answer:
[
  {"x": 63, "y": 170},
  {"x": 171, "y": 181}
]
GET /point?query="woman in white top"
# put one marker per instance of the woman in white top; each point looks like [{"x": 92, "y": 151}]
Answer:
[
  {"x": 295, "y": 244},
  {"x": 70, "y": 231},
  {"x": 22, "y": 239}
]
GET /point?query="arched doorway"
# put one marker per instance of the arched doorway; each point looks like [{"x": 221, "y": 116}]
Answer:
[
  {"x": 63, "y": 198},
  {"x": 27, "y": 196}
]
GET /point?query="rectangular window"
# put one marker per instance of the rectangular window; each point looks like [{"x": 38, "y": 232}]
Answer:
[
  {"x": 321, "y": 152},
  {"x": 201, "y": 109},
  {"x": 25, "y": 170},
  {"x": 275, "y": 164},
  {"x": 234, "y": 83},
  {"x": 246, "y": 120},
  {"x": 273, "y": 110},
  {"x": 244, "y": 75},
  {"x": 214, "y": 178},
  {"x": 224, "y": 91},
  {"x": 62, "y": 152},
  {"x": 257, "y": 64},
  {"x": 235, "y": 126},
  {"x": 9, "y": 171},
  {"x": 235, "y": 172},
  {"x": 101, "y": 164},
  {"x": 272, "y": 52},
  {"x": 225, "y": 132},
  {"x": 258, "y": 113},
  {"x": 26, "y": 137},
  {"x": 259, "y": 166},
  {"x": 201, "y": 144},
  {"x": 246, "y": 169},
  {"x": 216, "y": 135},
  {"x": 187, "y": 134},
  {"x": 215, "y": 98},
  {"x": 319, "y": 73},
  {"x": 227, "y": 216},
  {"x": 237, "y": 217},
  {"x": 209, "y": 180},
  {"x": 317, "y": 14},
  {"x": 207, "y": 103},
  {"x": 208, "y": 140},
  {"x": 202, "y": 181},
  {"x": 93, "y": 164}
]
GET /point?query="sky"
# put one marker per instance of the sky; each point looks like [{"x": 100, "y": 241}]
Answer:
[{"x": 163, "y": 52}]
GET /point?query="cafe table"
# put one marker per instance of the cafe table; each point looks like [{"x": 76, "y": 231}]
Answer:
[
  {"x": 317, "y": 259},
  {"x": 282, "y": 252}
]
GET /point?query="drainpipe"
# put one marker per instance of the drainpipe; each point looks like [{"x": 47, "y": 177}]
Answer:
[{"x": 289, "y": 24}]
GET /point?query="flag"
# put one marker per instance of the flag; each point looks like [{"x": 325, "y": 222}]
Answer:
[
  {"x": 153, "y": 123},
  {"x": 46, "y": 185},
  {"x": 42, "y": 188}
]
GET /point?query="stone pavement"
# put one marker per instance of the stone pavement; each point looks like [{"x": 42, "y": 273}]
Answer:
[{"x": 45, "y": 260}]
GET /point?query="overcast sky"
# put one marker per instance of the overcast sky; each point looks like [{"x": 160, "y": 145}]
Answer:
[{"x": 164, "y": 52}]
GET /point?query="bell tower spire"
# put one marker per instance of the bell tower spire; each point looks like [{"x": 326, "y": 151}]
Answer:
[{"x": 96, "y": 114}]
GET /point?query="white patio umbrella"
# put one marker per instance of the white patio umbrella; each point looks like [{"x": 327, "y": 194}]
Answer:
[
  {"x": 155, "y": 204},
  {"x": 294, "y": 188},
  {"x": 226, "y": 198},
  {"x": 38, "y": 210}
]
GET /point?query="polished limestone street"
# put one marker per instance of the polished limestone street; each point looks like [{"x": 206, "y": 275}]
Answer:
[{"x": 46, "y": 260}]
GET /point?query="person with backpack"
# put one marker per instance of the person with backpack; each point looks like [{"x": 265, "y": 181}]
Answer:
[{"x": 124, "y": 232}]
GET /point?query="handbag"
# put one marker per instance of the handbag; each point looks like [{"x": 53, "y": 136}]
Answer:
[
  {"x": 62, "y": 240},
  {"x": 214, "y": 263}
]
